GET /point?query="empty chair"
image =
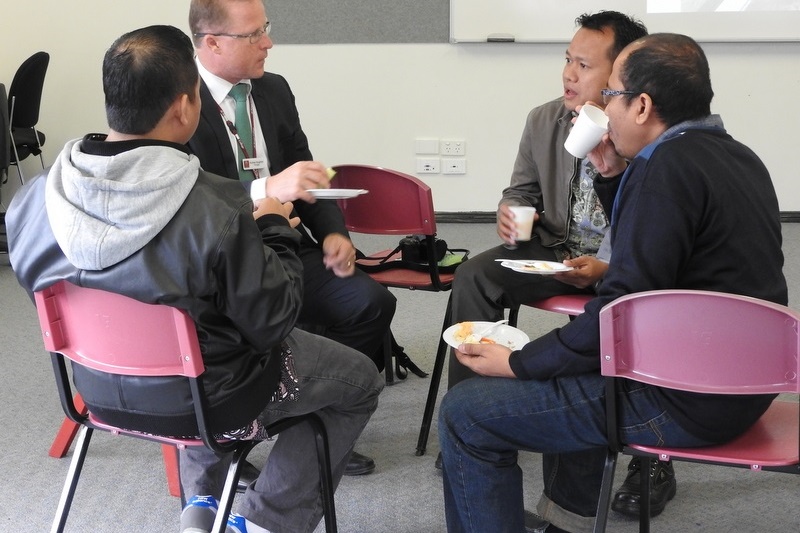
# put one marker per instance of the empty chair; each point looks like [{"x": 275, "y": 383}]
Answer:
[
  {"x": 5, "y": 136},
  {"x": 705, "y": 342},
  {"x": 397, "y": 204},
  {"x": 5, "y": 162},
  {"x": 24, "y": 100},
  {"x": 112, "y": 333},
  {"x": 566, "y": 304}
]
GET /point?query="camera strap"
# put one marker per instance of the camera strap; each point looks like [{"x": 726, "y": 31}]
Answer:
[
  {"x": 380, "y": 258},
  {"x": 392, "y": 260}
]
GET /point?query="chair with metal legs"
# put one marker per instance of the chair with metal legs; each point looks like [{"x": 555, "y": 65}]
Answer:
[
  {"x": 704, "y": 342},
  {"x": 5, "y": 162},
  {"x": 108, "y": 332},
  {"x": 397, "y": 204},
  {"x": 24, "y": 102}
]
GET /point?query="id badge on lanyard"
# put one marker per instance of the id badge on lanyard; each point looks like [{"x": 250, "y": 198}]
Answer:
[{"x": 254, "y": 163}]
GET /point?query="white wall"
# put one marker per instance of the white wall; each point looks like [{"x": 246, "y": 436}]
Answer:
[{"x": 367, "y": 103}]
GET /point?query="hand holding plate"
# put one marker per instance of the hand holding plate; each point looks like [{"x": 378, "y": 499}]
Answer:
[{"x": 486, "y": 359}]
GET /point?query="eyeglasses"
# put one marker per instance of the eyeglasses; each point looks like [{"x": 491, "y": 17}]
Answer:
[
  {"x": 610, "y": 93},
  {"x": 253, "y": 38}
]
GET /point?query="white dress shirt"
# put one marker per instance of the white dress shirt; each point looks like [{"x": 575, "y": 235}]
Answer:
[{"x": 219, "y": 90}]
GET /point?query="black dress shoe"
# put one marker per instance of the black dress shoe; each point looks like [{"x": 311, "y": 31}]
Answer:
[
  {"x": 535, "y": 523},
  {"x": 662, "y": 490},
  {"x": 438, "y": 463},
  {"x": 555, "y": 529},
  {"x": 247, "y": 475},
  {"x": 359, "y": 465}
]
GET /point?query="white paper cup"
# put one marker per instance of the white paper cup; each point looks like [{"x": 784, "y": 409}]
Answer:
[
  {"x": 523, "y": 219},
  {"x": 587, "y": 131}
]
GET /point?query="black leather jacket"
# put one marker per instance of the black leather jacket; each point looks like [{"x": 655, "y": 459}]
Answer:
[{"x": 209, "y": 260}]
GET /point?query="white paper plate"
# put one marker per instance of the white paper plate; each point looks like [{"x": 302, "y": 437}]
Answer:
[
  {"x": 504, "y": 334},
  {"x": 337, "y": 194},
  {"x": 545, "y": 268}
]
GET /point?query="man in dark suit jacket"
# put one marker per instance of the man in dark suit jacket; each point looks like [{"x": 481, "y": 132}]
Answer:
[{"x": 232, "y": 41}]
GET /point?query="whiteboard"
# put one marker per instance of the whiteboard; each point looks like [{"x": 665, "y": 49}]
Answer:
[{"x": 553, "y": 21}]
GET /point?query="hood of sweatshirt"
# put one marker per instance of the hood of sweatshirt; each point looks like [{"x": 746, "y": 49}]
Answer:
[{"x": 103, "y": 209}]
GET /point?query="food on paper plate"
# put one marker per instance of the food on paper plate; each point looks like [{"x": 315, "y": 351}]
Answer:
[
  {"x": 538, "y": 266},
  {"x": 331, "y": 173},
  {"x": 464, "y": 335}
]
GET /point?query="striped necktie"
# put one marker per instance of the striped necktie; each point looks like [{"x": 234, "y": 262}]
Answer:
[{"x": 243, "y": 127}]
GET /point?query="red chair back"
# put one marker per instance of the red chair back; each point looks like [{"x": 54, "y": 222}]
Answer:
[
  {"x": 397, "y": 204},
  {"x": 103, "y": 331},
  {"x": 706, "y": 342},
  {"x": 702, "y": 341}
]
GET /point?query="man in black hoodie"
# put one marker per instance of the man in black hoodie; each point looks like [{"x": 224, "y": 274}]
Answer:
[{"x": 132, "y": 212}]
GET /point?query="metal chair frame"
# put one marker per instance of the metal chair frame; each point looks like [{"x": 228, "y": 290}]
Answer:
[
  {"x": 113, "y": 333},
  {"x": 397, "y": 204},
  {"x": 705, "y": 342},
  {"x": 29, "y": 81}
]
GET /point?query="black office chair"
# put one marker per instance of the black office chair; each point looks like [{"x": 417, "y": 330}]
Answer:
[
  {"x": 24, "y": 99},
  {"x": 5, "y": 162}
]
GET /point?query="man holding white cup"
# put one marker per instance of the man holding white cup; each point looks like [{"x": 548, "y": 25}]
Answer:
[
  {"x": 568, "y": 222},
  {"x": 523, "y": 221},
  {"x": 589, "y": 128}
]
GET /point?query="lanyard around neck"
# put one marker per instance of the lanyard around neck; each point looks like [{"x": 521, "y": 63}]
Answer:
[{"x": 235, "y": 133}]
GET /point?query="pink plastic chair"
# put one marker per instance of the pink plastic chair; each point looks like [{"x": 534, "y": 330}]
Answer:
[
  {"x": 706, "y": 342},
  {"x": 119, "y": 335},
  {"x": 397, "y": 204},
  {"x": 565, "y": 304}
]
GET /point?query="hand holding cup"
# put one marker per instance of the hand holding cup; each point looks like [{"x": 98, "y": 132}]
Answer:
[
  {"x": 588, "y": 130},
  {"x": 523, "y": 223}
]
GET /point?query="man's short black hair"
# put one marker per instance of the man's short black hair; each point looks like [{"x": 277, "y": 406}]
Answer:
[
  {"x": 144, "y": 71},
  {"x": 673, "y": 70},
  {"x": 626, "y": 29}
]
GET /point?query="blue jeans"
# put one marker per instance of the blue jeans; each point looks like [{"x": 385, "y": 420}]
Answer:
[
  {"x": 485, "y": 422},
  {"x": 338, "y": 383},
  {"x": 483, "y": 290}
]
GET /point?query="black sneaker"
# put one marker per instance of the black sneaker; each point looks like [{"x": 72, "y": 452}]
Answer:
[{"x": 664, "y": 486}]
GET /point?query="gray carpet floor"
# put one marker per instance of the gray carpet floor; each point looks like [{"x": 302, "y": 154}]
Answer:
[{"x": 123, "y": 487}]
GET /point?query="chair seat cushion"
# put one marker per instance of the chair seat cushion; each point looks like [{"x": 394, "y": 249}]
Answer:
[
  {"x": 405, "y": 278},
  {"x": 567, "y": 304},
  {"x": 25, "y": 140},
  {"x": 394, "y": 260},
  {"x": 772, "y": 441},
  {"x": 409, "y": 279}
]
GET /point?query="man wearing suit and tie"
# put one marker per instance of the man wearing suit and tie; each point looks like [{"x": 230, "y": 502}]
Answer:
[{"x": 268, "y": 151}]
